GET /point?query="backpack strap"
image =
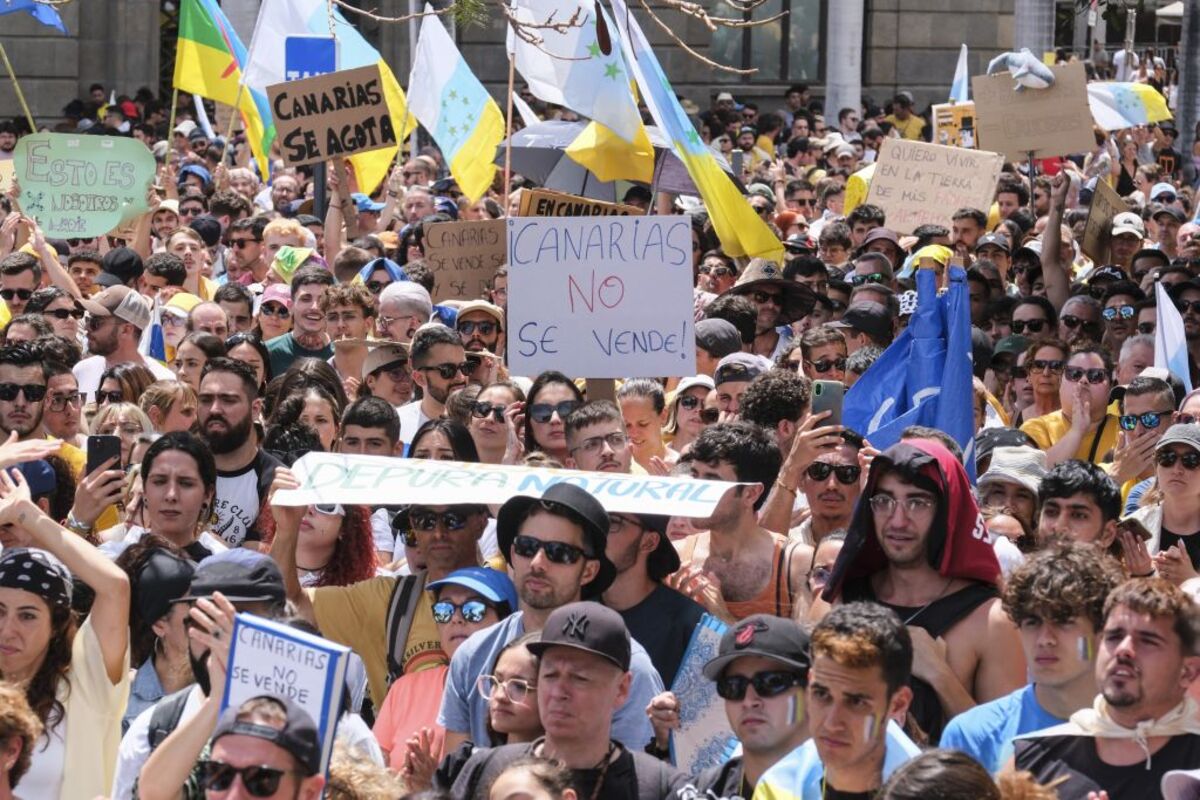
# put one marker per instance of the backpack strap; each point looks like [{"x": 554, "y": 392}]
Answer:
[
  {"x": 402, "y": 608},
  {"x": 165, "y": 717}
]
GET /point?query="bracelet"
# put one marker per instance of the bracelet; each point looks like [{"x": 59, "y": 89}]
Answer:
[
  {"x": 73, "y": 524},
  {"x": 779, "y": 482}
]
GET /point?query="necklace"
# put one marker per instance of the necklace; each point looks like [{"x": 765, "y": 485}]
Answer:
[
  {"x": 602, "y": 764},
  {"x": 940, "y": 594}
]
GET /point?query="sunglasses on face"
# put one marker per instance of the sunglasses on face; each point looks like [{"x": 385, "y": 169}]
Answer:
[
  {"x": 859, "y": 280},
  {"x": 486, "y": 328},
  {"x": 1020, "y": 373},
  {"x": 329, "y": 509},
  {"x": 544, "y": 412},
  {"x": 802, "y": 202},
  {"x": 274, "y": 310},
  {"x": 826, "y": 364},
  {"x": 426, "y": 521},
  {"x": 78, "y": 242},
  {"x": 1043, "y": 365},
  {"x": 767, "y": 297},
  {"x": 33, "y": 392},
  {"x": 9, "y": 294},
  {"x": 847, "y": 474},
  {"x": 1181, "y": 305},
  {"x": 820, "y": 576},
  {"x": 1124, "y": 312},
  {"x": 65, "y": 313},
  {"x": 217, "y": 776},
  {"x": 1072, "y": 322},
  {"x": 556, "y": 552},
  {"x": 771, "y": 683},
  {"x": 1019, "y": 326},
  {"x": 472, "y": 611},
  {"x": 1151, "y": 419},
  {"x": 484, "y": 410},
  {"x": 114, "y": 396},
  {"x": 716, "y": 270},
  {"x": 1094, "y": 376},
  {"x": 709, "y": 416},
  {"x": 60, "y": 401},
  {"x": 1167, "y": 458},
  {"x": 1146, "y": 327},
  {"x": 242, "y": 243},
  {"x": 448, "y": 371}
]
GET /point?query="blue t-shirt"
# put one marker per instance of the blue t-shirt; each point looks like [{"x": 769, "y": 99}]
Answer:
[
  {"x": 465, "y": 709},
  {"x": 986, "y": 732}
]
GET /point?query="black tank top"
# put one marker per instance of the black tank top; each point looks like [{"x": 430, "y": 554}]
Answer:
[{"x": 937, "y": 618}]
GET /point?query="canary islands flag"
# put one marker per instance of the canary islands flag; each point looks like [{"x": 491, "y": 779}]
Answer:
[
  {"x": 209, "y": 59},
  {"x": 1116, "y": 105},
  {"x": 454, "y": 107},
  {"x": 742, "y": 232}
]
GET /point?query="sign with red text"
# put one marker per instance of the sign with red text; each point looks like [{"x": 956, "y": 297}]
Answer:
[
  {"x": 601, "y": 297},
  {"x": 917, "y": 184}
]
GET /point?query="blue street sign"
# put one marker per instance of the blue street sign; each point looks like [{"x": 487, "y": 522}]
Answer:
[{"x": 306, "y": 56}]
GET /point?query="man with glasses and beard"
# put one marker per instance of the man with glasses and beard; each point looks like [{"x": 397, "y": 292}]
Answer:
[
  {"x": 779, "y": 302},
  {"x": 116, "y": 318},
  {"x": 228, "y": 403},
  {"x": 481, "y": 326},
  {"x": 439, "y": 367}
]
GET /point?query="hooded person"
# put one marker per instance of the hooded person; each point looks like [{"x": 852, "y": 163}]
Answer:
[{"x": 919, "y": 547}]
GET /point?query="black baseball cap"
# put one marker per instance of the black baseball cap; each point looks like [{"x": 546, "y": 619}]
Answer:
[
  {"x": 988, "y": 439},
  {"x": 868, "y": 317},
  {"x": 242, "y": 575},
  {"x": 208, "y": 227},
  {"x": 124, "y": 263},
  {"x": 718, "y": 337},
  {"x": 163, "y": 579},
  {"x": 765, "y": 635},
  {"x": 298, "y": 736},
  {"x": 993, "y": 240},
  {"x": 589, "y": 627}
]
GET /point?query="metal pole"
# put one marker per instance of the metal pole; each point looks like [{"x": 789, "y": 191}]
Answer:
[{"x": 414, "y": 32}]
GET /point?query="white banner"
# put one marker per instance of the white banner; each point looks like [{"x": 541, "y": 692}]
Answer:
[{"x": 379, "y": 480}]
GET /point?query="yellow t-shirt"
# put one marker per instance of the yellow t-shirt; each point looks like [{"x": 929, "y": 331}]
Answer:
[
  {"x": 94, "y": 707},
  {"x": 1049, "y": 428},
  {"x": 910, "y": 128}
]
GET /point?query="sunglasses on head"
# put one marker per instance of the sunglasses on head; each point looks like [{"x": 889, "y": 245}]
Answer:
[
  {"x": 448, "y": 371},
  {"x": 425, "y": 521},
  {"x": 1124, "y": 312},
  {"x": 485, "y": 328},
  {"x": 217, "y": 776},
  {"x": 1151, "y": 419},
  {"x": 826, "y": 364},
  {"x": 1019, "y": 326},
  {"x": 9, "y": 294},
  {"x": 556, "y": 552},
  {"x": 472, "y": 611},
  {"x": 771, "y": 683},
  {"x": 481, "y": 410},
  {"x": 544, "y": 412},
  {"x": 1167, "y": 458},
  {"x": 33, "y": 392},
  {"x": 847, "y": 474},
  {"x": 1094, "y": 376}
]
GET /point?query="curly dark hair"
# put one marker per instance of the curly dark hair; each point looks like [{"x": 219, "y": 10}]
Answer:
[
  {"x": 774, "y": 396},
  {"x": 751, "y": 450},
  {"x": 17, "y": 719},
  {"x": 353, "y": 558},
  {"x": 1065, "y": 580},
  {"x": 42, "y": 691}
]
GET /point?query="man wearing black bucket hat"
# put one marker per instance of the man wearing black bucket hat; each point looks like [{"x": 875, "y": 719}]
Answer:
[
  {"x": 584, "y": 662},
  {"x": 555, "y": 546}
]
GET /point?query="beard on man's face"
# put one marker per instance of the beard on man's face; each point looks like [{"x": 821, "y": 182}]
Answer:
[{"x": 227, "y": 438}]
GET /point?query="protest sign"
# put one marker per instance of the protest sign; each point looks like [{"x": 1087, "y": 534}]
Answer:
[
  {"x": 363, "y": 480},
  {"x": 270, "y": 658},
  {"x": 703, "y": 738},
  {"x": 547, "y": 203},
  {"x": 601, "y": 298},
  {"x": 82, "y": 186},
  {"x": 954, "y": 124},
  {"x": 1049, "y": 122},
  {"x": 331, "y": 115},
  {"x": 1097, "y": 232},
  {"x": 6, "y": 175},
  {"x": 463, "y": 256},
  {"x": 920, "y": 184}
]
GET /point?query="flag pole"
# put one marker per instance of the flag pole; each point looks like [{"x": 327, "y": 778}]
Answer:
[
  {"x": 21, "y": 95},
  {"x": 509, "y": 132},
  {"x": 237, "y": 102},
  {"x": 171, "y": 123}
]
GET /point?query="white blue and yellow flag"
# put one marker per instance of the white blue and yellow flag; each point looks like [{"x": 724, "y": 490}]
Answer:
[
  {"x": 960, "y": 89},
  {"x": 454, "y": 107}
]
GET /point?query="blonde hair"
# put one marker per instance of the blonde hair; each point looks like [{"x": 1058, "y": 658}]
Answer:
[
  {"x": 163, "y": 395},
  {"x": 353, "y": 776},
  {"x": 104, "y": 415},
  {"x": 286, "y": 227},
  {"x": 18, "y": 719}
]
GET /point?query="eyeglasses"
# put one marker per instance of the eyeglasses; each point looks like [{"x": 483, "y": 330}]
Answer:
[
  {"x": 273, "y": 310},
  {"x": 544, "y": 412},
  {"x": 9, "y": 294},
  {"x": 484, "y": 410},
  {"x": 1181, "y": 305},
  {"x": 1151, "y": 419},
  {"x": 771, "y": 683},
  {"x": 448, "y": 371},
  {"x": 396, "y": 374},
  {"x": 65, "y": 313},
  {"x": 1167, "y": 458},
  {"x": 217, "y": 776},
  {"x": 33, "y": 392},
  {"x": 594, "y": 444},
  {"x": 827, "y": 364},
  {"x": 515, "y": 689},
  {"x": 847, "y": 474},
  {"x": 1094, "y": 376},
  {"x": 767, "y": 297},
  {"x": 472, "y": 611},
  {"x": 1146, "y": 327},
  {"x": 485, "y": 328},
  {"x": 859, "y": 280},
  {"x": 242, "y": 243},
  {"x": 1033, "y": 325},
  {"x": 375, "y": 287},
  {"x": 1073, "y": 322},
  {"x": 58, "y": 402},
  {"x": 556, "y": 552},
  {"x": 717, "y": 270},
  {"x": 885, "y": 504},
  {"x": 1043, "y": 365},
  {"x": 1124, "y": 312},
  {"x": 426, "y": 521},
  {"x": 114, "y": 396}
]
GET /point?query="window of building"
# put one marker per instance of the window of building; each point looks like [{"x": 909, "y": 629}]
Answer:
[{"x": 789, "y": 49}]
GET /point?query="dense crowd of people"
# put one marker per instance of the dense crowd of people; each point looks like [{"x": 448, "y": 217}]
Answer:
[{"x": 891, "y": 627}]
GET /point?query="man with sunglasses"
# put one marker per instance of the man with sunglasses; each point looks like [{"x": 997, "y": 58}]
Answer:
[
  {"x": 555, "y": 546},
  {"x": 831, "y": 485},
  {"x": 1120, "y": 312},
  {"x": 245, "y": 263},
  {"x": 824, "y": 353},
  {"x": 268, "y": 745},
  {"x": 596, "y": 438},
  {"x": 1080, "y": 320},
  {"x": 1083, "y": 427},
  {"x": 116, "y": 318},
  {"x": 20, "y": 277},
  {"x": 1186, "y": 297},
  {"x": 481, "y": 326},
  {"x": 439, "y": 368},
  {"x": 1147, "y": 408},
  {"x": 779, "y": 302}
]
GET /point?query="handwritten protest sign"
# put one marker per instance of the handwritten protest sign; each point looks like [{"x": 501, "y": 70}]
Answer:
[
  {"x": 703, "y": 738},
  {"x": 601, "y": 298},
  {"x": 919, "y": 184},
  {"x": 362, "y": 480},
  {"x": 82, "y": 186},
  {"x": 6, "y": 175},
  {"x": 547, "y": 203},
  {"x": 1097, "y": 232},
  {"x": 331, "y": 115},
  {"x": 1049, "y": 122},
  {"x": 463, "y": 256},
  {"x": 269, "y": 658},
  {"x": 954, "y": 124}
]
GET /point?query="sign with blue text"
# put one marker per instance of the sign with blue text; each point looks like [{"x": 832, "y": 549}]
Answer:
[{"x": 601, "y": 297}]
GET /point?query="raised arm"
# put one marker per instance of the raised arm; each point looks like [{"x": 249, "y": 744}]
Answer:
[
  {"x": 1055, "y": 273},
  {"x": 283, "y": 546}
]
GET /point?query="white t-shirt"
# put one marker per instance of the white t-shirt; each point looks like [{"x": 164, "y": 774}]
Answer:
[
  {"x": 1125, "y": 65},
  {"x": 45, "y": 775},
  {"x": 411, "y": 420},
  {"x": 89, "y": 370}
]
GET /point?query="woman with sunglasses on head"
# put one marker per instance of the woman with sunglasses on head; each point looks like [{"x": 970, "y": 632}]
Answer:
[
  {"x": 59, "y": 309},
  {"x": 1043, "y": 369},
  {"x": 687, "y": 416},
  {"x": 1170, "y": 510},
  {"x": 552, "y": 397},
  {"x": 465, "y": 601},
  {"x": 496, "y": 422},
  {"x": 336, "y": 546}
]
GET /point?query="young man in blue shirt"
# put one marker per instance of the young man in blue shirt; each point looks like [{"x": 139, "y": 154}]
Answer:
[{"x": 1056, "y": 600}]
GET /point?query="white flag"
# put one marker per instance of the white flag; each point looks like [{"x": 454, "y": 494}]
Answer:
[{"x": 1170, "y": 344}]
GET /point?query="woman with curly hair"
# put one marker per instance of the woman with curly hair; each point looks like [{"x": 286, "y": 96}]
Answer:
[
  {"x": 75, "y": 675},
  {"x": 313, "y": 406},
  {"x": 19, "y": 730},
  {"x": 336, "y": 546}
]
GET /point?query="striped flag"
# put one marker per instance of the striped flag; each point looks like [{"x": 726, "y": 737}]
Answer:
[
  {"x": 1170, "y": 344},
  {"x": 153, "y": 343},
  {"x": 960, "y": 90}
]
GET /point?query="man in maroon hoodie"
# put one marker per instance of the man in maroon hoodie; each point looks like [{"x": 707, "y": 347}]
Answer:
[{"x": 918, "y": 546}]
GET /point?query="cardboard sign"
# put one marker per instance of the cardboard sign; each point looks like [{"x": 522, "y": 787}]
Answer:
[
  {"x": 6, "y": 175},
  {"x": 463, "y": 257},
  {"x": 919, "y": 184},
  {"x": 601, "y": 298},
  {"x": 954, "y": 125},
  {"x": 269, "y": 658},
  {"x": 547, "y": 203},
  {"x": 82, "y": 186},
  {"x": 1049, "y": 122},
  {"x": 363, "y": 480},
  {"x": 1097, "y": 232},
  {"x": 331, "y": 115}
]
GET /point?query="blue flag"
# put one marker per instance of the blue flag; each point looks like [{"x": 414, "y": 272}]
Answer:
[
  {"x": 924, "y": 377},
  {"x": 41, "y": 12}
]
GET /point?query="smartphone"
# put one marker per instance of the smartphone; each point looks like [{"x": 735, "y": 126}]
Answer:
[
  {"x": 101, "y": 449},
  {"x": 1136, "y": 528},
  {"x": 827, "y": 396}
]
